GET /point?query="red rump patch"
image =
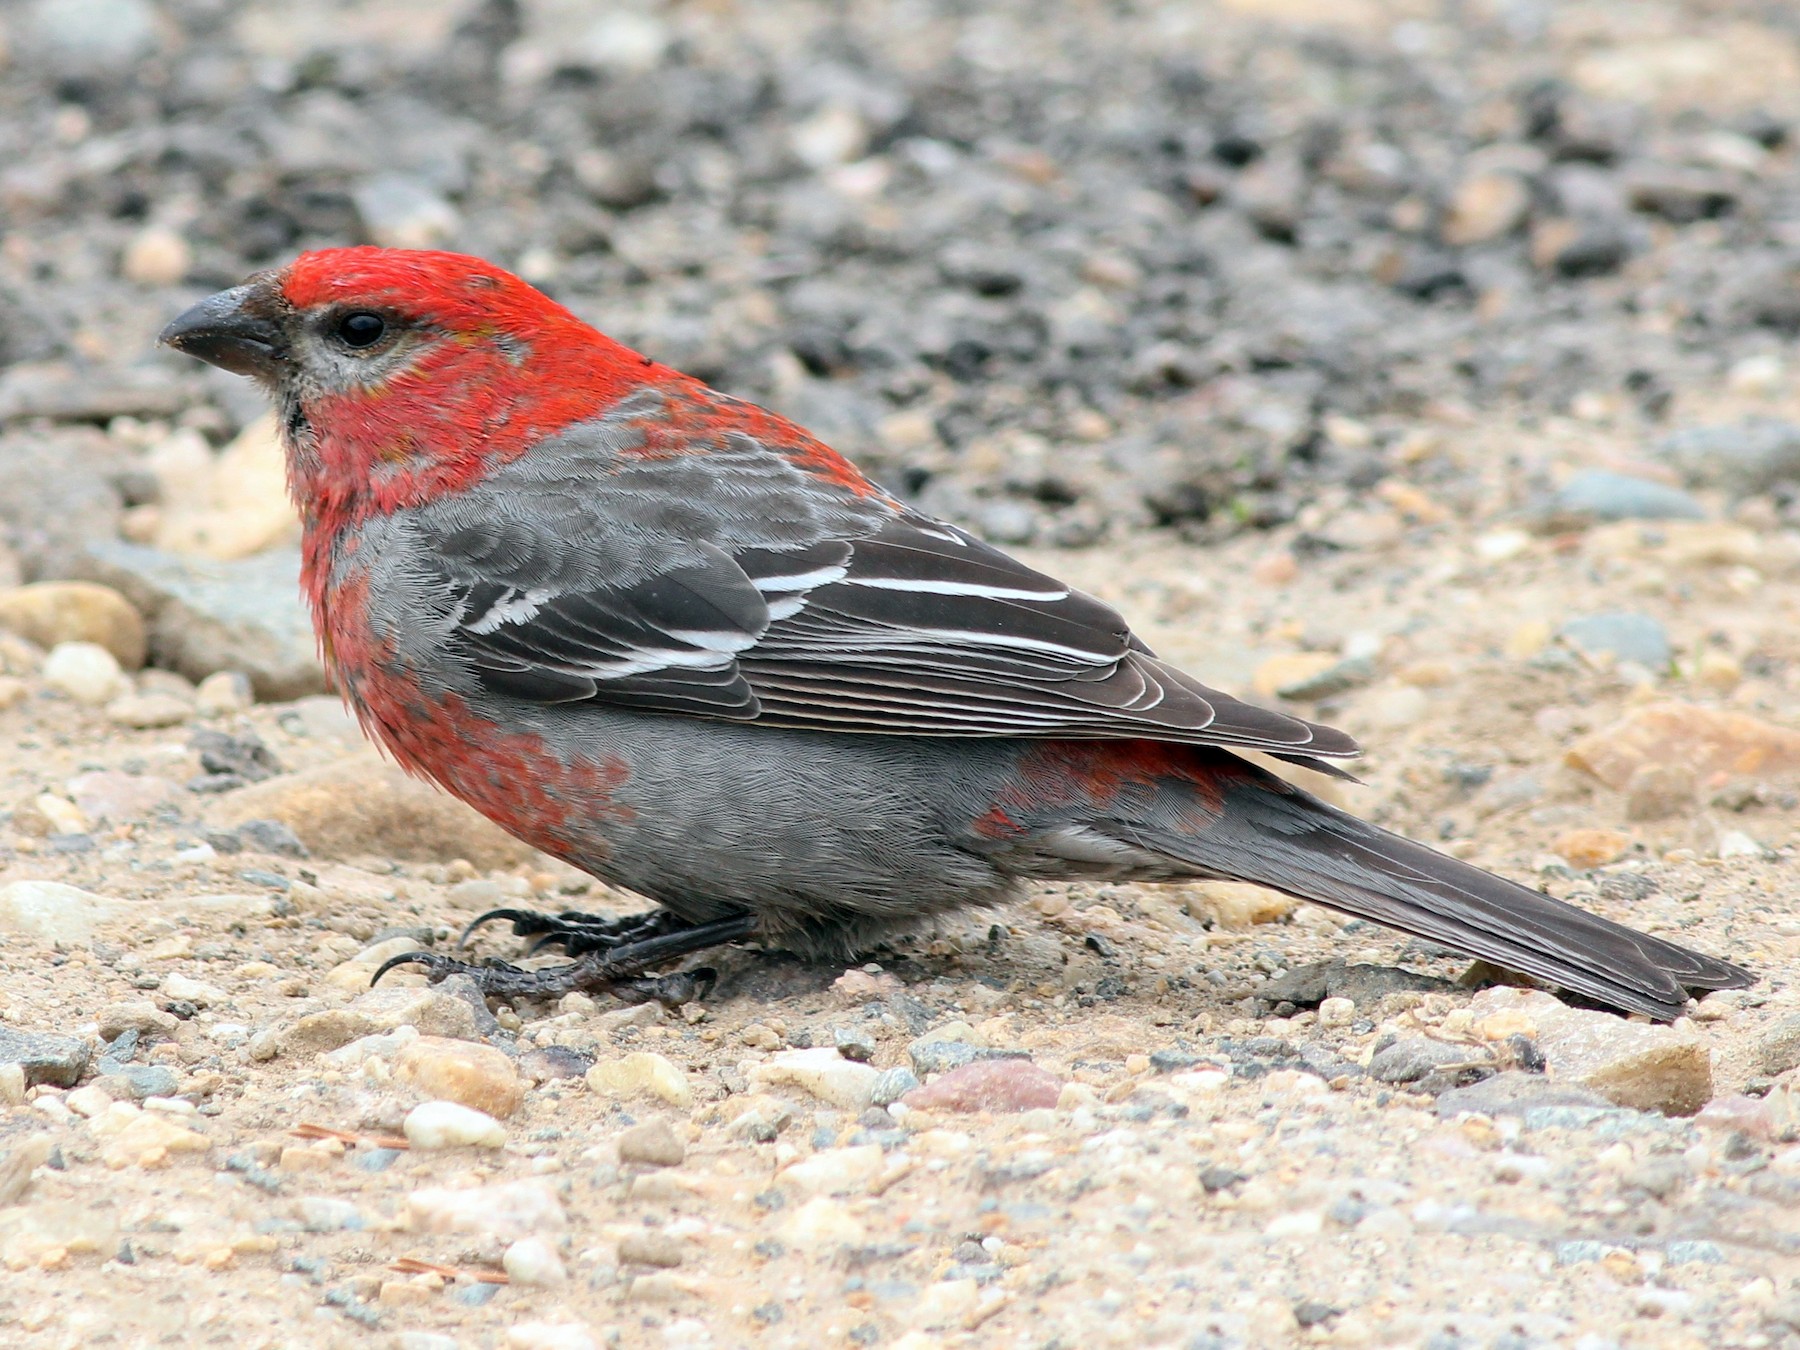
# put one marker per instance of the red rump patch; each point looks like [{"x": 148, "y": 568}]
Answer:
[{"x": 1071, "y": 779}]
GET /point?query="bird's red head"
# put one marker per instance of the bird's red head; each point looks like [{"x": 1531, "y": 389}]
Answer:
[{"x": 400, "y": 374}]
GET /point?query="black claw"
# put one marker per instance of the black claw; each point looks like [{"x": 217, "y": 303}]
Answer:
[
  {"x": 522, "y": 921},
  {"x": 425, "y": 959}
]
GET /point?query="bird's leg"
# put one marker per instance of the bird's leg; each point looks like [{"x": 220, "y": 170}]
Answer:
[
  {"x": 577, "y": 933},
  {"x": 613, "y": 971}
]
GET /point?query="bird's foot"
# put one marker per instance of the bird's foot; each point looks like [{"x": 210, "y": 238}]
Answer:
[
  {"x": 577, "y": 933},
  {"x": 619, "y": 971}
]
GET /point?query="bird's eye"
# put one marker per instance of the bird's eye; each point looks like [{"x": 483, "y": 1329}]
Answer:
[{"x": 361, "y": 329}]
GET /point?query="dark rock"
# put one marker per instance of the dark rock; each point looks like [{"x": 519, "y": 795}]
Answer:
[
  {"x": 45, "y": 1057},
  {"x": 1364, "y": 985},
  {"x": 1415, "y": 1058},
  {"x": 1601, "y": 494}
]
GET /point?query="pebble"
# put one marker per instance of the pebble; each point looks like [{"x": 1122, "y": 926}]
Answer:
[
  {"x": 85, "y": 672},
  {"x": 328, "y": 1214},
  {"x": 445, "y": 1124},
  {"x": 156, "y": 256},
  {"x": 224, "y": 692},
  {"x": 652, "y": 1248},
  {"x": 507, "y": 1210},
  {"x": 1777, "y": 1048},
  {"x": 891, "y": 1085},
  {"x": 1413, "y": 1058},
  {"x": 1289, "y": 670},
  {"x": 138, "y": 1082},
  {"x": 1601, "y": 494},
  {"x": 1746, "y": 459},
  {"x": 55, "y": 913},
  {"x": 653, "y": 1143},
  {"x": 138, "y": 1015},
  {"x": 477, "y": 1076},
  {"x": 1738, "y": 844},
  {"x": 534, "y": 1261},
  {"x": 1587, "y": 849},
  {"x": 107, "y": 796},
  {"x": 836, "y": 1171},
  {"x": 822, "y": 1222},
  {"x": 550, "y": 1336},
  {"x": 1660, "y": 791},
  {"x": 1622, "y": 636},
  {"x": 50, "y": 613},
  {"x": 1338, "y": 678},
  {"x": 1485, "y": 206},
  {"x": 44, "y": 1057},
  {"x": 821, "y": 1073},
  {"x": 144, "y": 712},
  {"x": 360, "y": 805},
  {"x": 988, "y": 1085},
  {"x": 134, "y": 1137},
  {"x": 18, "y": 1160},
  {"x": 400, "y": 211},
  {"x": 1642, "y": 1066},
  {"x": 1707, "y": 741},
  {"x": 642, "y": 1073},
  {"x": 207, "y": 614}
]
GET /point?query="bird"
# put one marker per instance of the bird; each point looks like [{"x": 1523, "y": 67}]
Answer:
[{"x": 670, "y": 637}]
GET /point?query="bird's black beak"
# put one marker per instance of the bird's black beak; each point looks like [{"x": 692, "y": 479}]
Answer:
[{"x": 239, "y": 330}]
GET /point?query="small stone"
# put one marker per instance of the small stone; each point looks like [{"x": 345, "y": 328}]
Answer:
[
  {"x": 1737, "y": 844},
  {"x": 1289, "y": 670},
  {"x": 223, "y": 692},
  {"x": 855, "y": 1043},
  {"x": 534, "y": 1261},
  {"x": 836, "y": 1171},
  {"x": 141, "y": 1016},
  {"x": 653, "y": 1143},
  {"x": 105, "y": 796},
  {"x": 1718, "y": 670},
  {"x": 400, "y": 211},
  {"x": 477, "y": 895},
  {"x": 451, "y": 1125},
  {"x": 652, "y": 1248},
  {"x": 359, "y": 805},
  {"x": 1778, "y": 1048},
  {"x": 550, "y": 1336},
  {"x": 1707, "y": 741},
  {"x": 1746, "y": 459},
  {"x": 821, "y": 1073},
  {"x": 476, "y": 1076},
  {"x": 319, "y": 1032},
  {"x": 1600, "y": 494},
  {"x": 1621, "y": 636},
  {"x": 50, "y": 613},
  {"x": 1587, "y": 849},
  {"x": 134, "y": 1137},
  {"x": 156, "y": 256},
  {"x": 549, "y": 1063},
  {"x": 507, "y": 1210},
  {"x": 18, "y": 1160},
  {"x": 183, "y": 989},
  {"x": 641, "y": 1073},
  {"x": 146, "y": 711},
  {"x": 12, "y": 1077},
  {"x": 85, "y": 672},
  {"x": 989, "y": 1085},
  {"x": 1413, "y": 1058},
  {"x": 44, "y": 1057},
  {"x": 1638, "y": 1065},
  {"x": 1394, "y": 707},
  {"x": 138, "y": 1082},
  {"x": 208, "y": 614},
  {"x": 1336, "y": 1012},
  {"x": 1338, "y": 678},
  {"x": 1660, "y": 791},
  {"x": 1516, "y": 1094},
  {"x": 88, "y": 1101},
  {"x": 1485, "y": 206},
  {"x": 822, "y": 1222},
  {"x": 945, "y": 1303},
  {"x": 1237, "y": 905},
  {"x": 328, "y": 1214},
  {"x": 892, "y": 1085}
]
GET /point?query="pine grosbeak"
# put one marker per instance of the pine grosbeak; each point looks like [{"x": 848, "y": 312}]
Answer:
[{"x": 670, "y": 637}]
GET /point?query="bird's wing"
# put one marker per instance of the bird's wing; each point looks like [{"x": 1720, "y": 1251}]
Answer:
[{"x": 757, "y": 593}]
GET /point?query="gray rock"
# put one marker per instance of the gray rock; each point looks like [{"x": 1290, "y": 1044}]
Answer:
[
  {"x": 91, "y": 37},
  {"x": 1778, "y": 1048},
  {"x": 1364, "y": 985},
  {"x": 45, "y": 1056},
  {"x": 1415, "y": 1057},
  {"x": 1515, "y": 1094},
  {"x": 1604, "y": 495},
  {"x": 134, "y": 1082},
  {"x": 942, "y": 1056},
  {"x": 892, "y": 1085},
  {"x": 1746, "y": 459},
  {"x": 1332, "y": 681},
  {"x": 57, "y": 495},
  {"x": 1623, "y": 635},
  {"x": 206, "y": 616},
  {"x": 400, "y": 211}
]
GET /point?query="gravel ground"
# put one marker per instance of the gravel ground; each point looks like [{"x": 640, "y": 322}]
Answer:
[{"x": 1448, "y": 350}]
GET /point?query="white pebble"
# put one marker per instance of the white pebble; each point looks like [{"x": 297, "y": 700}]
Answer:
[
  {"x": 1337, "y": 1012},
  {"x": 86, "y": 672},
  {"x": 224, "y": 691},
  {"x": 452, "y": 1125},
  {"x": 550, "y": 1336},
  {"x": 534, "y": 1261}
]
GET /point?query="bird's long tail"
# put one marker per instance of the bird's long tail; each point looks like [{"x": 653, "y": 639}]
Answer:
[{"x": 1226, "y": 819}]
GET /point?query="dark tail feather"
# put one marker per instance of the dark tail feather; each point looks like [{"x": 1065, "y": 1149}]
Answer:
[{"x": 1273, "y": 834}]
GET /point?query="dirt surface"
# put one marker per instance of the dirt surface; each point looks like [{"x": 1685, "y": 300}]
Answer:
[{"x": 1112, "y": 1116}]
